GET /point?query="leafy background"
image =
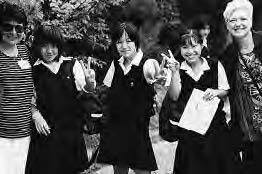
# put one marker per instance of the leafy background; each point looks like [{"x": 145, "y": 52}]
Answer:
[
  {"x": 85, "y": 25},
  {"x": 83, "y": 20}
]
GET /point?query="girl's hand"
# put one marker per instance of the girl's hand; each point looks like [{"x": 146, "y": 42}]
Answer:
[
  {"x": 161, "y": 77},
  {"x": 210, "y": 94},
  {"x": 172, "y": 63},
  {"x": 40, "y": 123},
  {"x": 89, "y": 73}
]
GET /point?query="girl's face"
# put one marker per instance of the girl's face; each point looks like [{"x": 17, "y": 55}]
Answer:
[
  {"x": 239, "y": 24},
  {"x": 191, "y": 52},
  {"x": 12, "y": 32},
  {"x": 126, "y": 47},
  {"x": 204, "y": 32},
  {"x": 49, "y": 52}
]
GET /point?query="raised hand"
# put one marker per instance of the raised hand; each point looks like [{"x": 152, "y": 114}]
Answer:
[
  {"x": 88, "y": 72},
  {"x": 172, "y": 63},
  {"x": 161, "y": 77}
]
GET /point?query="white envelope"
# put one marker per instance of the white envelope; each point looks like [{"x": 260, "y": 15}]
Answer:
[{"x": 198, "y": 113}]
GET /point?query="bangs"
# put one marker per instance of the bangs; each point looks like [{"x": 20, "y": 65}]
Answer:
[
  {"x": 49, "y": 34},
  {"x": 189, "y": 39},
  {"x": 127, "y": 27}
]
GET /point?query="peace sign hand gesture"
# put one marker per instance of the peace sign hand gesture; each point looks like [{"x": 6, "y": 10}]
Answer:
[
  {"x": 161, "y": 77},
  {"x": 172, "y": 63},
  {"x": 89, "y": 74}
]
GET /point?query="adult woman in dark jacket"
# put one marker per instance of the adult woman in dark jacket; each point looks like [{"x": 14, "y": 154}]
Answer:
[{"x": 243, "y": 65}]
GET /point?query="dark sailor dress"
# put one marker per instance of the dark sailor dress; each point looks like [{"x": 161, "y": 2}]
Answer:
[
  {"x": 209, "y": 153},
  {"x": 63, "y": 151},
  {"x": 125, "y": 139}
]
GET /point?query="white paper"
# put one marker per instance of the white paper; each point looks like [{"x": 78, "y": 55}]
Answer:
[
  {"x": 198, "y": 112},
  {"x": 173, "y": 122},
  {"x": 96, "y": 115}
]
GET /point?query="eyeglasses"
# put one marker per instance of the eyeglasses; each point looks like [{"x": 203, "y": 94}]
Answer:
[{"x": 9, "y": 27}]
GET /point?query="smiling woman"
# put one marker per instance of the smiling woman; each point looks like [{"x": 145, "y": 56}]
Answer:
[
  {"x": 243, "y": 63},
  {"x": 16, "y": 84}
]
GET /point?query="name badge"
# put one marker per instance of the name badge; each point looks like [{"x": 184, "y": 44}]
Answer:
[{"x": 24, "y": 64}]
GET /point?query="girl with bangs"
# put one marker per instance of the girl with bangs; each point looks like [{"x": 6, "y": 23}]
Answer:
[
  {"x": 197, "y": 153},
  {"x": 125, "y": 141},
  {"x": 57, "y": 144}
]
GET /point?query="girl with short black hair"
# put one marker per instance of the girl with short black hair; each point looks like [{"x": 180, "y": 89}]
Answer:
[{"x": 57, "y": 144}]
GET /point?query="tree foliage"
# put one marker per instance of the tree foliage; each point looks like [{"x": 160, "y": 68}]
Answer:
[
  {"x": 80, "y": 19},
  {"x": 84, "y": 19}
]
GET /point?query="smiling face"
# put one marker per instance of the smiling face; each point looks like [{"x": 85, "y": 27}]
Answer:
[
  {"x": 126, "y": 47},
  {"x": 12, "y": 32},
  {"x": 191, "y": 53},
  {"x": 239, "y": 24},
  {"x": 190, "y": 47},
  {"x": 49, "y": 52}
]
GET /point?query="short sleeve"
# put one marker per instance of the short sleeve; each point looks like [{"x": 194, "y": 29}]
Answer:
[
  {"x": 109, "y": 75},
  {"x": 79, "y": 76},
  {"x": 222, "y": 78}
]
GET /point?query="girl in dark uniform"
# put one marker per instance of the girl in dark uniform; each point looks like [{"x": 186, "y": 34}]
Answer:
[
  {"x": 57, "y": 145},
  {"x": 197, "y": 153},
  {"x": 125, "y": 141}
]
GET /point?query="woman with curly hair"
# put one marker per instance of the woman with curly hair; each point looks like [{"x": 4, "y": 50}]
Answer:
[{"x": 16, "y": 86}]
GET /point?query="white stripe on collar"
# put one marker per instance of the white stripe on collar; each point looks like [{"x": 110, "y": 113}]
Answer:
[
  {"x": 61, "y": 59},
  {"x": 136, "y": 60},
  {"x": 204, "y": 66},
  {"x": 189, "y": 71}
]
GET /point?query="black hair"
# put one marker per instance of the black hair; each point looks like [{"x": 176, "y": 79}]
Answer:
[
  {"x": 186, "y": 37},
  {"x": 200, "y": 22},
  {"x": 189, "y": 37},
  {"x": 129, "y": 28},
  {"x": 45, "y": 34},
  {"x": 12, "y": 12}
]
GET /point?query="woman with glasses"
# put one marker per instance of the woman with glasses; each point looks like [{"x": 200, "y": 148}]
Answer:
[
  {"x": 16, "y": 86},
  {"x": 243, "y": 63}
]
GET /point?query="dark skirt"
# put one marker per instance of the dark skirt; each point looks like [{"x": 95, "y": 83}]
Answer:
[
  {"x": 62, "y": 152},
  {"x": 208, "y": 154},
  {"x": 252, "y": 157},
  {"x": 127, "y": 143}
]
